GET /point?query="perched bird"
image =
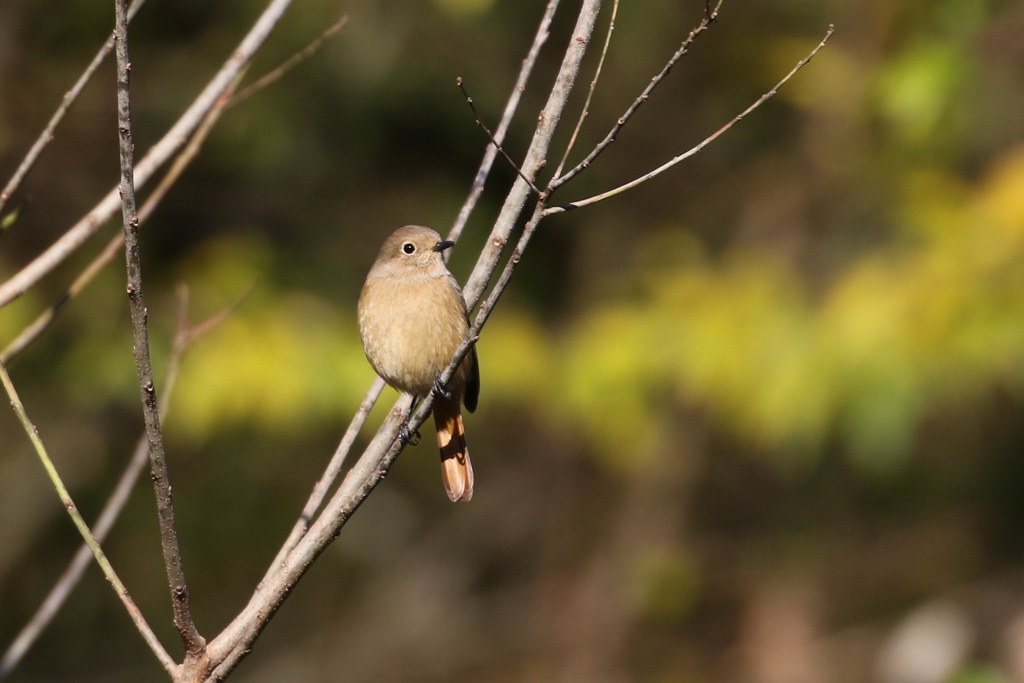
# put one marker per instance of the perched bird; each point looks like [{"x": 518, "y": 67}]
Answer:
[{"x": 412, "y": 319}]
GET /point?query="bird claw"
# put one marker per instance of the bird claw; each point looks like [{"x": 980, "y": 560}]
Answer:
[
  {"x": 408, "y": 436},
  {"x": 439, "y": 391}
]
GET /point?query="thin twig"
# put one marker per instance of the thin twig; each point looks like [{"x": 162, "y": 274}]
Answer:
[
  {"x": 113, "y": 247},
  {"x": 32, "y": 331},
  {"x": 491, "y": 153},
  {"x": 194, "y": 643},
  {"x": 536, "y": 154},
  {"x": 83, "y": 529},
  {"x": 188, "y": 335},
  {"x": 330, "y": 475},
  {"x": 700, "y": 146},
  {"x": 590, "y": 92},
  {"x": 46, "y": 137},
  {"x": 487, "y": 132},
  {"x": 183, "y": 339},
  {"x": 710, "y": 15},
  {"x": 61, "y": 590},
  {"x": 236, "y": 640},
  {"x": 276, "y": 74},
  {"x": 173, "y": 140}
]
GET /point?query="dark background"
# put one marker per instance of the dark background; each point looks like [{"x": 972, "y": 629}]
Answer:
[{"x": 757, "y": 420}]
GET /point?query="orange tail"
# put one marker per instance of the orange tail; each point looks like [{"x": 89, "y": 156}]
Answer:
[{"x": 456, "y": 469}]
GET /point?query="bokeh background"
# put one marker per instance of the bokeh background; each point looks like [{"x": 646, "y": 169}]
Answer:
[{"x": 758, "y": 420}]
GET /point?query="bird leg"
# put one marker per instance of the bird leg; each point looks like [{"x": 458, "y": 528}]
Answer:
[{"x": 406, "y": 435}]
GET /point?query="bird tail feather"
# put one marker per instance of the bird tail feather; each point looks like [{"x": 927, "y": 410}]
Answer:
[{"x": 456, "y": 468}]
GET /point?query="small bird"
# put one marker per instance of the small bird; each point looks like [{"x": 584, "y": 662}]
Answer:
[{"x": 412, "y": 319}]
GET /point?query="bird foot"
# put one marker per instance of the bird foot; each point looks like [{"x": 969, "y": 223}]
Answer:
[
  {"x": 408, "y": 436},
  {"x": 439, "y": 391}
]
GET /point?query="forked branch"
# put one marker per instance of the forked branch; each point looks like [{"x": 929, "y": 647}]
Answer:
[
  {"x": 65, "y": 497},
  {"x": 320, "y": 523},
  {"x": 171, "y": 142},
  {"x": 710, "y": 16},
  {"x": 46, "y": 137},
  {"x": 699, "y": 146},
  {"x": 311, "y": 536},
  {"x": 227, "y": 649},
  {"x": 183, "y": 339}
]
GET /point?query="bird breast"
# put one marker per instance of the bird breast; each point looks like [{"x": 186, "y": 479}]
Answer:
[{"x": 411, "y": 328}]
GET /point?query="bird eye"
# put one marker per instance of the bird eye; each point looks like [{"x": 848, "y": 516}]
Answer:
[{"x": 408, "y": 247}]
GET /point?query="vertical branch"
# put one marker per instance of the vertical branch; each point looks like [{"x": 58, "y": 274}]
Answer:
[{"x": 194, "y": 643}]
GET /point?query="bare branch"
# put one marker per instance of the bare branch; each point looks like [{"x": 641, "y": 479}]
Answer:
[
  {"x": 487, "y": 132},
  {"x": 305, "y": 53},
  {"x": 490, "y": 153},
  {"x": 43, "y": 320},
  {"x": 590, "y": 93},
  {"x": 113, "y": 247},
  {"x": 55, "y": 599},
  {"x": 69, "y": 579},
  {"x": 700, "y": 146},
  {"x": 710, "y": 15},
  {"x": 83, "y": 529},
  {"x": 329, "y": 476},
  {"x": 194, "y": 643},
  {"x": 46, "y": 137},
  {"x": 227, "y": 649},
  {"x": 333, "y": 469},
  {"x": 173, "y": 140},
  {"x": 313, "y": 532},
  {"x": 536, "y": 155}
]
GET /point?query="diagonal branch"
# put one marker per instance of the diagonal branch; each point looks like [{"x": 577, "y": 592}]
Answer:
[
  {"x": 194, "y": 643},
  {"x": 487, "y": 131},
  {"x": 590, "y": 92},
  {"x": 710, "y": 15},
  {"x": 83, "y": 528},
  {"x": 228, "y": 98},
  {"x": 491, "y": 152},
  {"x": 701, "y": 145},
  {"x": 330, "y": 475},
  {"x": 31, "y": 332},
  {"x": 228, "y": 648},
  {"x": 55, "y": 599},
  {"x": 173, "y": 140},
  {"x": 536, "y": 155},
  {"x": 46, "y": 137},
  {"x": 302, "y": 55},
  {"x": 334, "y": 467}
]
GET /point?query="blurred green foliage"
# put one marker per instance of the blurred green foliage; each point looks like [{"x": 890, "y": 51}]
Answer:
[{"x": 780, "y": 384}]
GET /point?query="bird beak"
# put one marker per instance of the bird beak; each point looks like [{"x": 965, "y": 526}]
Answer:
[{"x": 441, "y": 246}]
